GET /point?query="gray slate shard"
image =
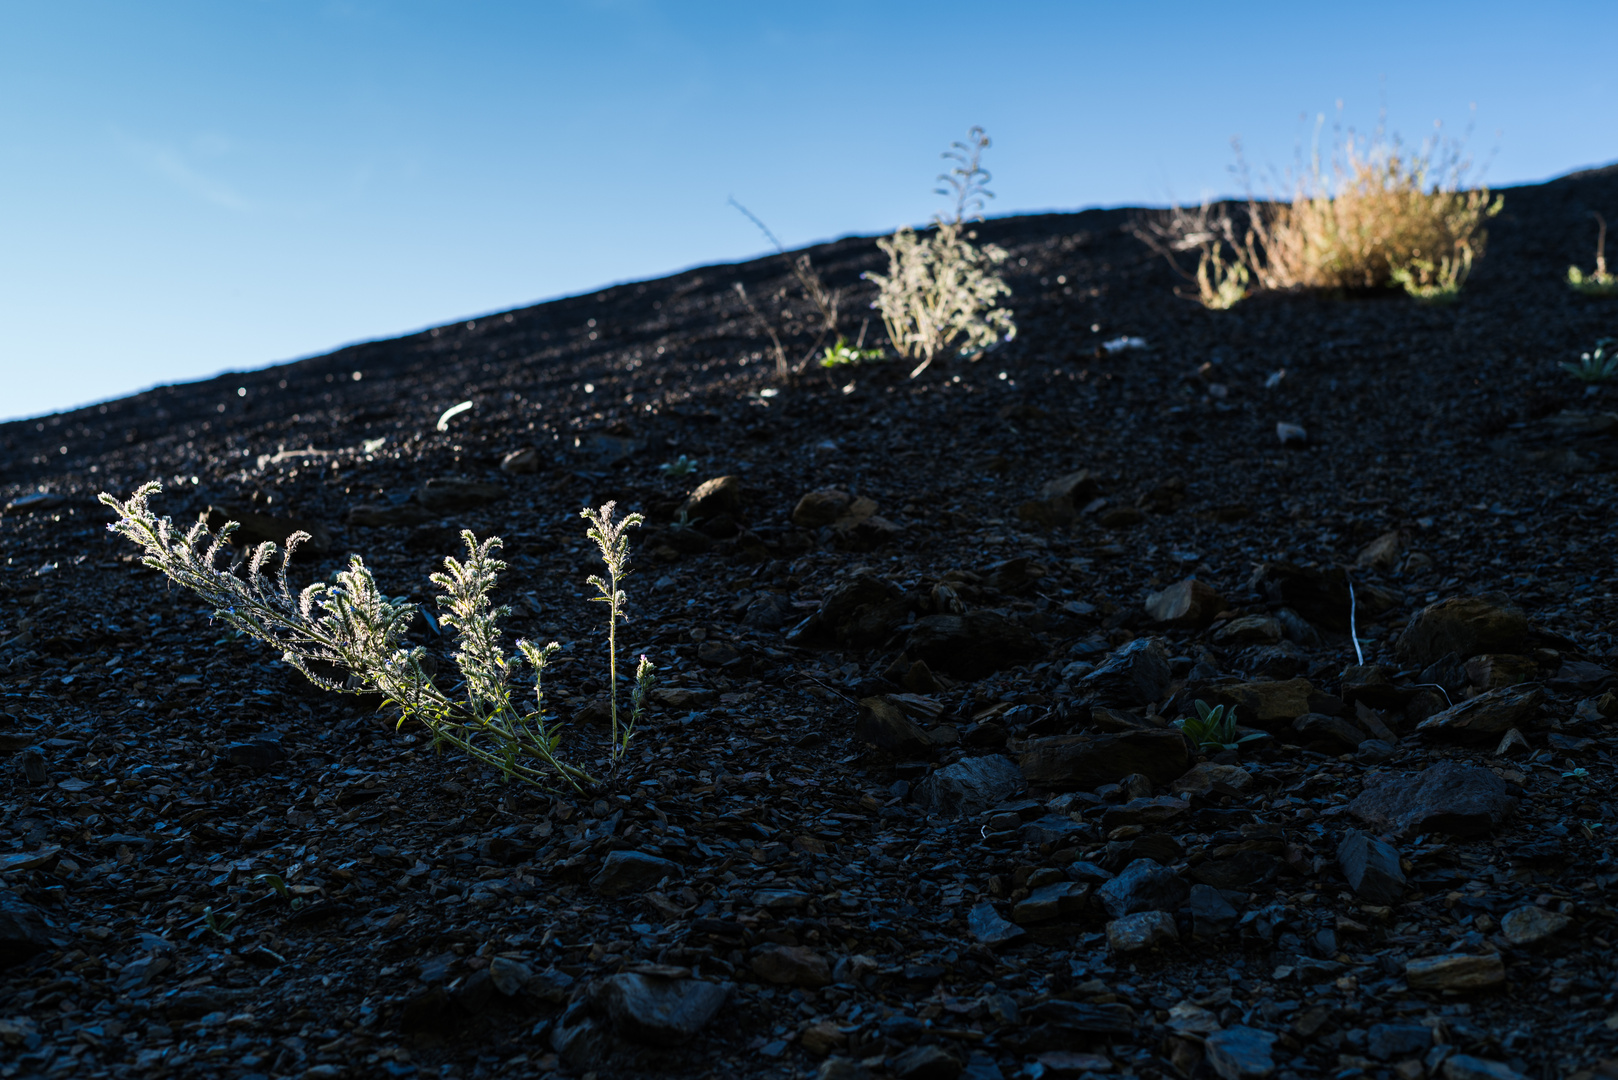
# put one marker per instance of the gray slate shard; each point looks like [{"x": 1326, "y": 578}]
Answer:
[
  {"x": 1460, "y": 800},
  {"x": 926, "y": 1062},
  {"x": 1212, "y": 915},
  {"x": 631, "y": 871},
  {"x": 24, "y": 932},
  {"x": 1240, "y": 1053},
  {"x": 657, "y": 1011},
  {"x": 1113, "y": 1019},
  {"x": 990, "y": 928},
  {"x": 1051, "y": 829},
  {"x": 1396, "y": 1042},
  {"x": 1488, "y": 715},
  {"x": 1372, "y": 868},
  {"x": 1143, "y": 886},
  {"x": 1085, "y": 762},
  {"x": 1135, "y": 674},
  {"x": 972, "y": 645},
  {"x": 970, "y": 786}
]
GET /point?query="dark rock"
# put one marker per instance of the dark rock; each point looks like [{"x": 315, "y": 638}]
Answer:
[
  {"x": 970, "y": 786},
  {"x": 1372, "y": 868},
  {"x": 432, "y": 1010},
  {"x": 885, "y": 726},
  {"x": 721, "y": 495},
  {"x": 1188, "y": 603},
  {"x": 1143, "y": 886},
  {"x": 524, "y": 461},
  {"x": 659, "y": 1011},
  {"x": 1136, "y": 674},
  {"x": 1490, "y": 671},
  {"x": 1320, "y": 596},
  {"x": 1487, "y": 715},
  {"x": 24, "y": 932},
  {"x": 1076, "y": 1016},
  {"x": 34, "y": 769},
  {"x": 1390, "y": 1042},
  {"x": 1085, "y": 762},
  {"x": 1465, "y": 626},
  {"x": 1462, "y": 972},
  {"x": 1238, "y": 870},
  {"x": 926, "y": 1062},
  {"x": 260, "y": 755},
  {"x": 1212, "y": 916},
  {"x": 1272, "y": 706},
  {"x": 631, "y": 871},
  {"x": 1249, "y": 630},
  {"x": 861, "y": 611},
  {"x": 1160, "y": 848},
  {"x": 1461, "y": 800},
  {"x": 791, "y": 965},
  {"x": 447, "y": 494},
  {"x": 1058, "y": 900},
  {"x": 1467, "y": 1067},
  {"x": 197, "y": 1002},
  {"x": 1206, "y": 778},
  {"x": 1153, "y": 810},
  {"x": 1143, "y": 930},
  {"x": 1060, "y": 500},
  {"x": 1328, "y": 734},
  {"x": 1372, "y": 684},
  {"x": 972, "y": 645},
  {"x": 1052, "y": 829},
  {"x": 842, "y": 1068},
  {"x": 1374, "y": 752},
  {"x": 769, "y": 611},
  {"x": 989, "y": 928},
  {"x": 818, "y": 509},
  {"x": 1531, "y": 925},
  {"x": 1240, "y": 1053}
]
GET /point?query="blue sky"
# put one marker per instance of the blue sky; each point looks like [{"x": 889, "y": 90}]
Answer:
[{"x": 193, "y": 187}]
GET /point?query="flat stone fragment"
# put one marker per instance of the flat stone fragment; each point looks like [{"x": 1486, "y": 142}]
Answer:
[
  {"x": 1144, "y": 930},
  {"x": 791, "y": 965},
  {"x": 1204, "y": 777},
  {"x": 1137, "y": 673},
  {"x": 1372, "y": 868},
  {"x": 1457, "y": 971},
  {"x": 24, "y": 933},
  {"x": 1107, "y": 1019},
  {"x": 970, "y": 786},
  {"x": 1488, "y": 715},
  {"x": 972, "y": 645},
  {"x": 661, "y": 1012},
  {"x": 1531, "y": 925},
  {"x": 1272, "y": 705},
  {"x": 1465, "y": 626},
  {"x": 1060, "y": 899},
  {"x": 721, "y": 495},
  {"x": 1460, "y": 800},
  {"x": 1143, "y": 886},
  {"x": 1211, "y": 914},
  {"x": 1185, "y": 603},
  {"x": 989, "y": 928},
  {"x": 1467, "y": 1067},
  {"x": 1390, "y": 1042},
  {"x": 926, "y": 1062},
  {"x": 631, "y": 871},
  {"x": 1240, "y": 1053},
  {"x": 1084, "y": 762}
]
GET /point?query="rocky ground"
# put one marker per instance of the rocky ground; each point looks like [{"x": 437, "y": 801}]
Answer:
[{"x": 910, "y": 801}]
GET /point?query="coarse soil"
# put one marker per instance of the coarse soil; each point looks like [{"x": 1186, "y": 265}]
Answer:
[{"x": 156, "y": 766}]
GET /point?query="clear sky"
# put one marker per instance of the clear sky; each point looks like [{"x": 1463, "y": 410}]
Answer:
[{"x": 193, "y": 187}]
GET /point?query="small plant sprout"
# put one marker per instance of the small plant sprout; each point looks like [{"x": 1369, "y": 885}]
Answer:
[
  {"x": 680, "y": 466},
  {"x": 611, "y": 539},
  {"x": 349, "y": 624},
  {"x": 278, "y": 884},
  {"x": 1214, "y": 728},
  {"x": 1595, "y": 367},
  {"x": 1600, "y": 283},
  {"x": 218, "y": 923},
  {"x": 842, "y": 354}
]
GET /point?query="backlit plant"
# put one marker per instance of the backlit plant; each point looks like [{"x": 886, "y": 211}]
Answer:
[
  {"x": 350, "y": 625},
  {"x": 842, "y": 354},
  {"x": 1594, "y": 367},
  {"x": 942, "y": 291},
  {"x": 1214, "y": 728},
  {"x": 1599, "y": 283}
]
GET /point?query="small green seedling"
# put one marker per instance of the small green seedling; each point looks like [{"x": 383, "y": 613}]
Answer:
[
  {"x": 842, "y": 354},
  {"x": 277, "y": 883},
  {"x": 218, "y": 923},
  {"x": 680, "y": 466},
  {"x": 1594, "y": 367},
  {"x": 1214, "y": 728}
]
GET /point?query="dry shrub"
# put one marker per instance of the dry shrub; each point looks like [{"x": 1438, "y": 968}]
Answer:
[{"x": 1378, "y": 215}]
